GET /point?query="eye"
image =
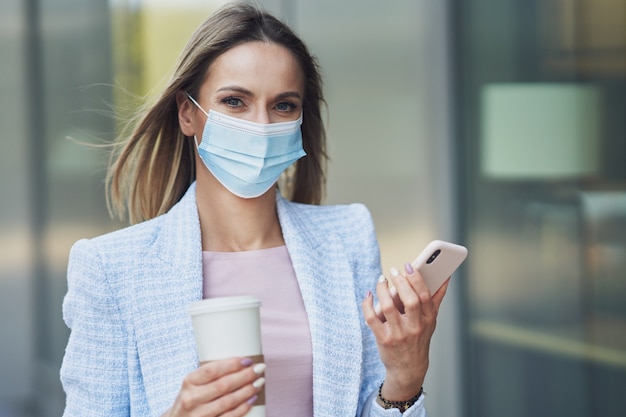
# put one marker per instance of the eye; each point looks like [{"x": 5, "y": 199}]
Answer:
[
  {"x": 232, "y": 101},
  {"x": 285, "y": 106}
]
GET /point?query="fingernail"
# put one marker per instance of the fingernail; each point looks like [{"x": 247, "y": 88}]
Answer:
[
  {"x": 259, "y": 368},
  {"x": 381, "y": 279},
  {"x": 408, "y": 268},
  {"x": 252, "y": 400},
  {"x": 258, "y": 383},
  {"x": 393, "y": 291},
  {"x": 246, "y": 362},
  {"x": 368, "y": 294},
  {"x": 394, "y": 272}
]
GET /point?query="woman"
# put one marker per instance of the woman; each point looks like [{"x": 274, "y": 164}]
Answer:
[{"x": 198, "y": 176}]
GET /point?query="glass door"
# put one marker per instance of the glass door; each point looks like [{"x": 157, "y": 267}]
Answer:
[{"x": 540, "y": 120}]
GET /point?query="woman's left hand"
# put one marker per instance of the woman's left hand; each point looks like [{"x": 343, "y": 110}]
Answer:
[{"x": 403, "y": 329}]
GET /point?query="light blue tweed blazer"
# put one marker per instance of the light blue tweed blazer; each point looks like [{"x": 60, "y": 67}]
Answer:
[{"x": 131, "y": 341}]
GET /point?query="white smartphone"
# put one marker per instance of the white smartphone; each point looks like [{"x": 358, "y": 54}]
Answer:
[{"x": 438, "y": 261}]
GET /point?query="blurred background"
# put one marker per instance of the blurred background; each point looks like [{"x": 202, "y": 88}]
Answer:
[{"x": 499, "y": 124}]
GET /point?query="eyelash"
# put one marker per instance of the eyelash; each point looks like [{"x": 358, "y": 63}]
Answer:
[
  {"x": 229, "y": 102},
  {"x": 291, "y": 106}
]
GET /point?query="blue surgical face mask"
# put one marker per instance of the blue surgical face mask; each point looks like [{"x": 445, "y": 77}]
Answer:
[{"x": 246, "y": 157}]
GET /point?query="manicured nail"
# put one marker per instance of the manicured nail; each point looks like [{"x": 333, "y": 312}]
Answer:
[
  {"x": 259, "y": 368},
  {"x": 246, "y": 362},
  {"x": 258, "y": 383},
  {"x": 408, "y": 268},
  {"x": 394, "y": 272},
  {"x": 381, "y": 279},
  {"x": 368, "y": 294},
  {"x": 252, "y": 400}
]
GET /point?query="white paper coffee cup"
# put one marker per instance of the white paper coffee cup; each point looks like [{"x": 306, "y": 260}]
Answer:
[{"x": 229, "y": 326}]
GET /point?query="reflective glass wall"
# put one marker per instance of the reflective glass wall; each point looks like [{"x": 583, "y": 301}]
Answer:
[
  {"x": 16, "y": 243},
  {"x": 55, "y": 59},
  {"x": 541, "y": 120}
]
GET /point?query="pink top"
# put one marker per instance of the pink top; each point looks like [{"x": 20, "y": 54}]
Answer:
[{"x": 268, "y": 275}]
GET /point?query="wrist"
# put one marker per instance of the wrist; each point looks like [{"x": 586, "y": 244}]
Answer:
[
  {"x": 396, "y": 388},
  {"x": 401, "y": 405}
]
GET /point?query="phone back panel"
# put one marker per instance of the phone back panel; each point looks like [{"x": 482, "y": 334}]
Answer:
[{"x": 438, "y": 261}]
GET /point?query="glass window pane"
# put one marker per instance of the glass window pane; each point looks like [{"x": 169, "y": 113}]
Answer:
[{"x": 542, "y": 98}]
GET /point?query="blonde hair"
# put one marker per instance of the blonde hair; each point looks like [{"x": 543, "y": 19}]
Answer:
[{"x": 150, "y": 169}]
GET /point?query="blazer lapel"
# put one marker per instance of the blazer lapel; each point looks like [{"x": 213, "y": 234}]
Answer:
[
  {"x": 327, "y": 287},
  {"x": 171, "y": 279}
]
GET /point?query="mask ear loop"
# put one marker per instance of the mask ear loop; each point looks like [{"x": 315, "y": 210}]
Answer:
[
  {"x": 197, "y": 104},
  {"x": 195, "y": 139}
]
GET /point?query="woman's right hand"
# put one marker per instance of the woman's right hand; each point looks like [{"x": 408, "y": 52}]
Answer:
[{"x": 225, "y": 388}]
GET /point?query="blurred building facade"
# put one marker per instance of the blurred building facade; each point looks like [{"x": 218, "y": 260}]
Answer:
[{"x": 496, "y": 123}]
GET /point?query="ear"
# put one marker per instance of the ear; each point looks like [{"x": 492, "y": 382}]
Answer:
[{"x": 186, "y": 114}]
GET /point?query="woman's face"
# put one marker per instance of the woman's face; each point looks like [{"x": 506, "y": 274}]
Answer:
[{"x": 256, "y": 81}]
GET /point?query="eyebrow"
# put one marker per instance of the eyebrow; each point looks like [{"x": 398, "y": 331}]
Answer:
[
  {"x": 245, "y": 91},
  {"x": 288, "y": 94},
  {"x": 236, "y": 89}
]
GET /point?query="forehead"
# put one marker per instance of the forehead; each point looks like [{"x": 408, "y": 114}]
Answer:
[{"x": 262, "y": 65}]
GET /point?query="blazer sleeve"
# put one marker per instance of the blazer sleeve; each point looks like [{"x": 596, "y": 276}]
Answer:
[
  {"x": 368, "y": 267},
  {"x": 94, "y": 371}
]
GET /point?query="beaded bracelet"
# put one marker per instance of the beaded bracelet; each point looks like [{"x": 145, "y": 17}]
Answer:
[{"x": 401, "y": 405}]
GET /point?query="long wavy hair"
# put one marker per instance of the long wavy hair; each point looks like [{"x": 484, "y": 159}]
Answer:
[{"x": 150, "y": 169}]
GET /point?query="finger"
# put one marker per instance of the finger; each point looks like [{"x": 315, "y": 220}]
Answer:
[
  {"x": 418, "y": 284},
  {"x": 379, "y": 313},
  {"x": 393, "y": 290},
  {"x": 441, "y": 293},
  {"x": 237, "y": 402},
  {"x": 373, "y": 315},
  {"x": 406, "y": 294},
  {"x": 371, "y": 312},
  {"x": 396, "y": 300},
  {"x": 218, "y": 392},
  {"x": 242, "y": 410},
  {"x": 387, "y": 305},
  {"x": 235, "y": 381},
  {"x": 211, "y": 371},
  {"x": 416, "y": 280}
]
